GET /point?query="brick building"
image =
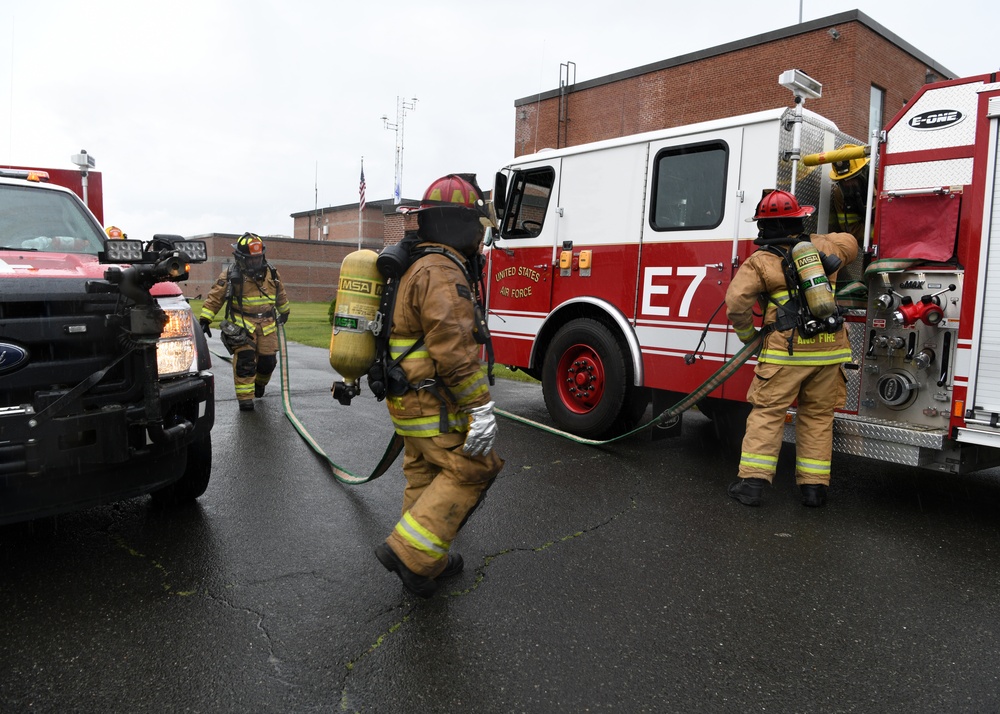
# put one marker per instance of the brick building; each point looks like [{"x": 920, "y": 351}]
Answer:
[
  {"x": 868, "y": 74},
  {"x": 309, "y": 266}
]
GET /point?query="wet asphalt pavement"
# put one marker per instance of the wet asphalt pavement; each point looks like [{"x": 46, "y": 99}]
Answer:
[{"x": 615, "y": 579}]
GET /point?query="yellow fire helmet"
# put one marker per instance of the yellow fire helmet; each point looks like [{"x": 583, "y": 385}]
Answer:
[
  {"x": 840, "y": 170},
  {"x": 114, "y": 232}
]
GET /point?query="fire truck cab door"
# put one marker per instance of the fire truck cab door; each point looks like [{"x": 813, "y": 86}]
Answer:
[
  {"x": 520, "y": 266},
  {"x": 691, "y": 226}
]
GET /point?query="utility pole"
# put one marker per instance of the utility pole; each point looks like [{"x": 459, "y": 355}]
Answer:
[{"x": 402, "y": 106}]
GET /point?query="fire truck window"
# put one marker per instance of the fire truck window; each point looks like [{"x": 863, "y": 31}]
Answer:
[
  {"x": 528, "y": 203},
  {"x": 689, "y": 187}
]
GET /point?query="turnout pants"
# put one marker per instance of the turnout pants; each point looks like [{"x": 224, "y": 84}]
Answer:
[
  {"x": 819, "y": 391},
  {"x": 443, "y": 488},
  {"x": 254, "y": 364}
]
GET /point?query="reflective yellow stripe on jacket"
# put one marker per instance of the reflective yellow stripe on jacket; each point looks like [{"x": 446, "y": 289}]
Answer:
[{"x": 423, "y": 426}]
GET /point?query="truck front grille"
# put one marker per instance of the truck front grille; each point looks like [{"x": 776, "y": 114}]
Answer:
[{"x": 67, "y": 340}]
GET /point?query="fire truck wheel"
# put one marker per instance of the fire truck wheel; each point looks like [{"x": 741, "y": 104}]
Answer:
[
  {"x": 194, "y": 482},
  {"x": 586, "y": 380}
]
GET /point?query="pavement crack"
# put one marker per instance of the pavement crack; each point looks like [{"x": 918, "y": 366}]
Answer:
[
  {"x": 272, "y": 658},
  {"x": 157, "y": 566}
]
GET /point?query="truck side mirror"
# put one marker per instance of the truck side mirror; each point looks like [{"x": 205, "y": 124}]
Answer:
[{"x": 500, "y": 193}]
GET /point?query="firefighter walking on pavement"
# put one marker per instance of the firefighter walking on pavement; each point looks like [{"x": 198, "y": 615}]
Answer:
[
  {"x": 255, "y": 303},
  {"x": 804, "y": 350},
  {"x": 440, "y": 403}
]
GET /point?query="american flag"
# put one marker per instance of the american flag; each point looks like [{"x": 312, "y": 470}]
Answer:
[{"x": 361, "y": 190}]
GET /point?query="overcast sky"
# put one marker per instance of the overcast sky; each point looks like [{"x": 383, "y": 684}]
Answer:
[{"x": 230, "y": 115}]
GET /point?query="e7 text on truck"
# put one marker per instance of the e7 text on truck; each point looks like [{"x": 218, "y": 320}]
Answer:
[{"x": 106, "y": 390}]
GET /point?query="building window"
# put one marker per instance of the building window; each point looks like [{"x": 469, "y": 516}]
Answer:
[
  {"x": 689, "y": 187},
  {"x": 876, "y": 110}
]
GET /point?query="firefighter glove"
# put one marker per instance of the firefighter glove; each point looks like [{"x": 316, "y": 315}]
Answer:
[
  {"x": 283, "y": 317},
  {"x": 482, "y": 430},
  {"x": 749, "y": 338},
  {"x": 206, "y": 326}
]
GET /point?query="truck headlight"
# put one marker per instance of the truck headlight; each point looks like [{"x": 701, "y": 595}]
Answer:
[{"x": 176, "y": 350}]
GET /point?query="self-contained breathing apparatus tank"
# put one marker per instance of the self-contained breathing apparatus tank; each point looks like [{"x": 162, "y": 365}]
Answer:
[
  {"x": 813, "y": 283},
  {"x": 352, "y": 343}
]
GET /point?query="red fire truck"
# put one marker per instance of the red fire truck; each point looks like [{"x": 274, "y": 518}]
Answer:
[{"x": 609, "y": 268}]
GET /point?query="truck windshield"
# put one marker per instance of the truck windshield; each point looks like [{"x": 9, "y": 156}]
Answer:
[{"x": 39, "y": 219}]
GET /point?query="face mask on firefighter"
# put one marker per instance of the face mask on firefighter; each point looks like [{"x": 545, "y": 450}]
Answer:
[{"x": 249, "y": 254}]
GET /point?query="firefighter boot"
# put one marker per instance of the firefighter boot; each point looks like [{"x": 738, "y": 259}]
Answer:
[
  {"x": 246, "y": 405},
  {"x": 419, "y": 585},
  {"x": 258, "y": 390},
  {"x": 813, "y": 495},
  {"x": 454, "y": 566},
  {"x": 748, "y": 490}
]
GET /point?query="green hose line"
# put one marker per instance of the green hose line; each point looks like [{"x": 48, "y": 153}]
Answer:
[
  {"x": 727, "y": 370},
  {"x": 392, "y": 451},
  {"x": 341, "y": 474}
]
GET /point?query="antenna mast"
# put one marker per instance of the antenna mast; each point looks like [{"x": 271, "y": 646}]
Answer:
[{"x": 402, "y": 106}]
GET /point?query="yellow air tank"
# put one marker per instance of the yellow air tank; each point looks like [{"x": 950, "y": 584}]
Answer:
[
  {"x": 352, "y": 344},
  {"x": 812, "y": 280}
]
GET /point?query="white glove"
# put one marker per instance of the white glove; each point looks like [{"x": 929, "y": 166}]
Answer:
[{"x": 482, "y": 430}]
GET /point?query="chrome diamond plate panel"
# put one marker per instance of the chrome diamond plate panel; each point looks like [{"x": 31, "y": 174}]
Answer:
[
  {"x": 925, "y": 174},
  {"x": 812, "y": 183},
  {"x": 856, "y": 335},
  {"x": 960, "y": 97},
  {"x": 884, "y": 441}
]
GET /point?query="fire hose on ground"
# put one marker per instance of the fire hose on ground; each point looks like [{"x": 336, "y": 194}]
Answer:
[{"x": 395, "y": 446}]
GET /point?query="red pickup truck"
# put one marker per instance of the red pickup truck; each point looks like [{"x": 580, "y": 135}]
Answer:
[{"x": 106, "y": 388}]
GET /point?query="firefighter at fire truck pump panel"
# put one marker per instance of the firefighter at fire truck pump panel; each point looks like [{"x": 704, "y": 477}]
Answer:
[
  {"x": 791, "y": 366},
  {"x": 255, "y": 302},
  {"x": 850, "y": 186},
  {"x": 445, "y": 415}
]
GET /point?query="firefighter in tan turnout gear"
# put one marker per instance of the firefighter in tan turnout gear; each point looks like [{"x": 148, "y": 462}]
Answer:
[
  {"x": 255, "y": 302},
  {"x": 803, "y": 354},
  {"x": 849, "y": 202},
  {"x": 440, "y": 404}
]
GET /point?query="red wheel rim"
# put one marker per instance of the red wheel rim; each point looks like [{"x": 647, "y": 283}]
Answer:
[{"x": 580, "y": 379}]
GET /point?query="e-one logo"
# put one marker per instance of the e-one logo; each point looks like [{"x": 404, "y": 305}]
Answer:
[{"x": 938, "y": 119}]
